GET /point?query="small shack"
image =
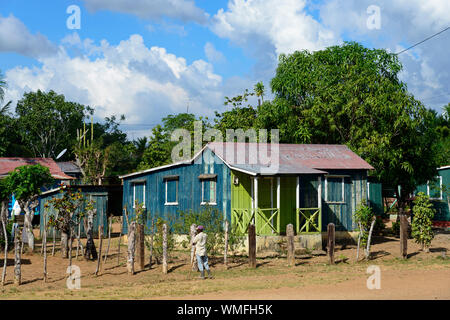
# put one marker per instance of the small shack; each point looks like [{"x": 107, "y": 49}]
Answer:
[
  {"x": 310, "y": 186},
  {"x": 107, "y": 198}
]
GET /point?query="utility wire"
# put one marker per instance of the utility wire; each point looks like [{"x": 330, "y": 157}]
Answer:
[{"x": 434, "y": 35}]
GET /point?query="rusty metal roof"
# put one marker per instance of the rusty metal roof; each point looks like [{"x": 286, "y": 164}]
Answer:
[
  {"x": 9, "y": 164},
  {"x": 288, "y": 158}
]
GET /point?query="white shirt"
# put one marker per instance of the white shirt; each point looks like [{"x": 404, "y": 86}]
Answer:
[
  {"x": 200, "y": 243},
  {"x": 16, "y": 208}
]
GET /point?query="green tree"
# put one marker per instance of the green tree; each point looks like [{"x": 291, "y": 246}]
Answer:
[
  {"x": 352, "y": 95},
  {"x": 443, "y": 131},
  {"x": 422, "y": 222},
  {"x": 68, "y": 216},
  {"x": 259, "y": 92},
  {"x": 158, "y": 151},
  {"x": 47, "y": 123},
  {"x": 26, "y": 182},
  {"x": 237, "y": 118}
]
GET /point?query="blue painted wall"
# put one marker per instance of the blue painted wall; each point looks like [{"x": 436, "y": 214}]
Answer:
[{"x": 189, "y": 189}]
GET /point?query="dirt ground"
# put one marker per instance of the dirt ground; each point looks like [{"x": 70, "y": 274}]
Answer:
[{"x": 421, "y": 276}]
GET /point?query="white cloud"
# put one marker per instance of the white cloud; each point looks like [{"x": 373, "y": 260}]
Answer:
[
  {"x": 143, "y": 83},
  {"x": 212, "y": 54},
  {"x": 15, "y": 37},
  {"x": 184, "y": 10},
  {"x": 403, "y": 23},
  {"x": 266, "y": 28}
]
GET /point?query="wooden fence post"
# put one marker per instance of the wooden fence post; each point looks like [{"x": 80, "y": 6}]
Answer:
[
  {"x": 225, "y": 253},
  {"x": 164, "y": 259},
  {"x": 99, "y": 257},
  {"x": 5, "y": 259},
  {"x": 403, "y": 234},
  {"x": 290, "y": 244},
  {"x": 109, "y": 239},
  {"x": 192, "y": 232},
  {"x": 141, "y": 246},
  {"x": 252, "y": 246},
  {"x": 44, "y": 246},
  {"x": 17, "y": 262},
  {"x": 120, "y": 238},
  {"x": 331, "y": 242},
  {"x": 131, "y": 246}
]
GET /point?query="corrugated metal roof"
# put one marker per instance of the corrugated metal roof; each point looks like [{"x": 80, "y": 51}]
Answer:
[
  {"x": 68, "y": 167},
  {"x": 288, "y": 158},
  {"x": 9, "y": 164}
]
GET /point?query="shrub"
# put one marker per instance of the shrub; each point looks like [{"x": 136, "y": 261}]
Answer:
[
  {"x": 421, "y": 227},
  {"x": 363, "y": 217},
  {"x": 8, "y": 232},
  {"x": 213, "y": 221},
  {"x": 379, "y": 226},
  {"x": 396, "y": 228},
  {"x": 158, "y": 239}
]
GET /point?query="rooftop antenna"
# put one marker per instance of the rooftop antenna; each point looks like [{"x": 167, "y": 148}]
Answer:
[{"x": 61, "y": 154}]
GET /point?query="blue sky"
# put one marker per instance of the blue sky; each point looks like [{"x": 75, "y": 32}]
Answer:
[{"x": 150, "y": 58}]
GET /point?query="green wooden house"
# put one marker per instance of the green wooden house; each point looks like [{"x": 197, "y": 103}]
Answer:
[
  {"x": 439, "y": 191},
  {"x": 270, "y": 185}
]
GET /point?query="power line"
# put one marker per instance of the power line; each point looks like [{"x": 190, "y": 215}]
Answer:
[{"x": 434, "y": 35}]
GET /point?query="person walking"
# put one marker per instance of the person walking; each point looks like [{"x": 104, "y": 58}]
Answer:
[{"x": 200, "y": 252}]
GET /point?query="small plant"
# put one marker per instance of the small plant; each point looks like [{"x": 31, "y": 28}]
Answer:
[
  {"x": 213, "y": 222},
  {"x": 422, "y": 222},
  {"x": 379, "y": 226},
  {"x": 365, "y": 219},
  {"x": 158, "y": 240},
  {"x": 395, "y": 228}
]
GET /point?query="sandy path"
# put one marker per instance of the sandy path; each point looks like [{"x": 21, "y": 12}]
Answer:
[{"x": 395, "y": 284}]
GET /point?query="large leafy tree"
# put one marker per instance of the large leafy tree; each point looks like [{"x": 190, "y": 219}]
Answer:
[
  {"x": 47, "y": 123},
  {"x": 352, "y": 95},
  {"x": 158, "y": 150},
  {"x": 160, "y": 145},
  {"x": 25, "y": 183}
]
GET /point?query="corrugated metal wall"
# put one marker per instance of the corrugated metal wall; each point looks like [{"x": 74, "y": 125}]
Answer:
[
  {"x": 101, "y": 203},
  {"x": 189, "y": 189}
]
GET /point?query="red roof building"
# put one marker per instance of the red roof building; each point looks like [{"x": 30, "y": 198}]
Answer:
[{"x": 9, "y": 164}]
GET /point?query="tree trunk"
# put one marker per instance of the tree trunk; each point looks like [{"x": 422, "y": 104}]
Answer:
[
  {"x": 100, "y": 234},
  {"x": 403, "y": 231},
  {"x": 331, "y": 242},
  {"x": 252, "y": 246},
  {"x": 131, "y": 247},
  {"x": 141, "y": 246},
  {"x": 120, "y": 238},
  {"x": 44, "y": 248},
  {"x": 164, "y": 262},
  {"x": 151, "y": 251},
  {"x": 109, "y": 239},
  {"x": 225, "y": 252},
  {"x": 79, "y": 240},
  {"x": 369, "y": 239},
  {"x": 4, "y": 214},
  {"x": 192, "y": 232},
  {"x": 54, "y": 242},
  {"x": 359, "y": 241},
  {"x": 65, "y": 243},
  {"x": 70, "y": 251},
  {"x": 290, "y": 244},
  {"x": 90, "y": 251},
  {"x": 28, "y": 228},
  {"x": 17, "y": 257}
]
